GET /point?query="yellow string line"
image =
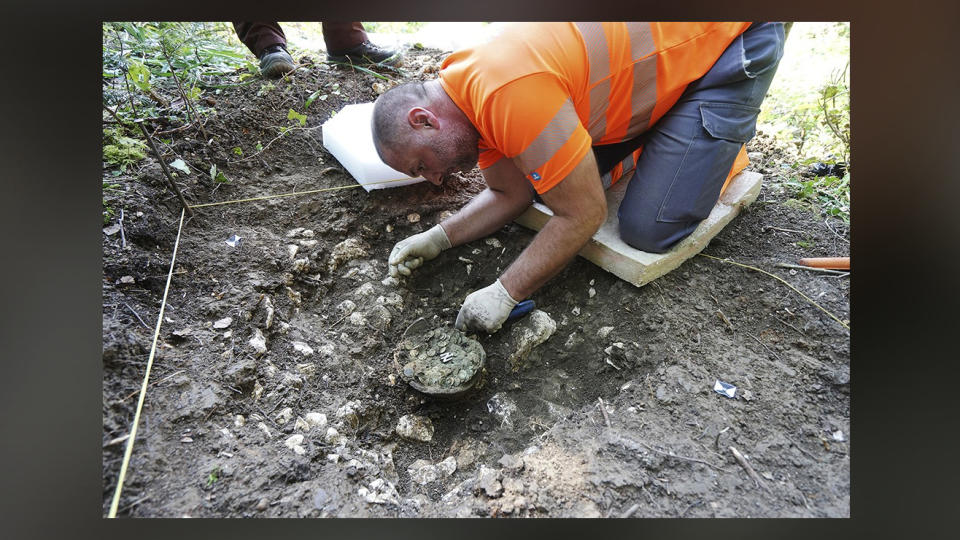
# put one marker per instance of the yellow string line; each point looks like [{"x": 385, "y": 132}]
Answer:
[
  {"x": 778, "y": 278},
  {"x": 298, "y": 193},
  {"x": 146, "y": 377}
]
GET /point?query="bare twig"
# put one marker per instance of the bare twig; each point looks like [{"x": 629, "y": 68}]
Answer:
[
  {"x": 763, "y": 345},
  {"x": 687, "y": 509},
  {"x": 781, "y": 229},
  {"x": 137, "y": 315},
  {"x": 802, "y": 451},
  {"x": 630, "y": 511},
  {"x": 746, "y": 466},
  {"x": 603, "y": 409},
  {"x": 827, "y": 223},
  {"x": 684, "y": 458},
  {"x": 810, "y": 268},
  {"x": 725, "y": 319},
  {"x": 152, "y": 384},
  {"x": 166, "y": 171},
  {"x": 790, "y": 325}
]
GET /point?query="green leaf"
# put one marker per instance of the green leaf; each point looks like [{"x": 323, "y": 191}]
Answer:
[
  {"x": 259, "y": 147},
  {"x": 238, "y": 151},
  {"x": 310, "y": 99},
  {"x": 139, "y": 75},
  {"x": 294, "y": 115},
  {"x": 180, "y": 165},
  {"x": 221, "y": 178}
]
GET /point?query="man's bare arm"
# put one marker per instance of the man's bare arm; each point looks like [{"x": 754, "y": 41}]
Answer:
[
  {"x": 507, "y": 195},
  {"x": 579, "y": 209}
]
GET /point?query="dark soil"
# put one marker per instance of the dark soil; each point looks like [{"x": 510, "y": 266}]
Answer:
[{"x": 532, "y": 440}]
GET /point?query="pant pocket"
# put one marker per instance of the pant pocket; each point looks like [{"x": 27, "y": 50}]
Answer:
[
  {"x": 706, "y": 163},
  {"x": 762, "y": 48}
]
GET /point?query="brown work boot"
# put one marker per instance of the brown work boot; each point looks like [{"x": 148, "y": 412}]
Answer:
[
  {"x": 366, "y": 53},
  {"x": 275, "y": 61}
]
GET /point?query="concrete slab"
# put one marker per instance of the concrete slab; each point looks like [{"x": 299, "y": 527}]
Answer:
[{"x": 609, "y": 252}]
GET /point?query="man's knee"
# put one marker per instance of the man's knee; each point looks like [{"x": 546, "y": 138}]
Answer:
[{"x": 647, "y": 234}]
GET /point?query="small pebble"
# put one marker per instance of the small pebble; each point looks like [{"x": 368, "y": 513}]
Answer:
[{"x": 413, "y": 218}]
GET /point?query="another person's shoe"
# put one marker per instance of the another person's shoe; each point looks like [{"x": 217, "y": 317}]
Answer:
[
  {"x": 366, "y": 53},
  {"x": 275, "y": 61}
]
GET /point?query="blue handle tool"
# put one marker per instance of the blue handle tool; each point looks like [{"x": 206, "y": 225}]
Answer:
[{"x": 521, "y": 309}]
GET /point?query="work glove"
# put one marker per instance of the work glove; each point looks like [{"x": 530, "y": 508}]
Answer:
[
  {"x": 486, "y": 309},
  {"x": 410, "y": 252}
]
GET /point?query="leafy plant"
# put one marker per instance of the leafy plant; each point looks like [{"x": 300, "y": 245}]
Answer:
[
  {"x": 294, "y": 115},
  {"x": 120, "y": 150},
  {"x": 213, "y": 476}
]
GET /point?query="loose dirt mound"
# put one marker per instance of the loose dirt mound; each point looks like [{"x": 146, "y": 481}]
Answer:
[{"x": 290, "y": 407}]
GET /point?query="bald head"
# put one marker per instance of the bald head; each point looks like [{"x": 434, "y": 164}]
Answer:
[
  {"x": 389, "y": 121},
  {"x": 420, "y": 131}
]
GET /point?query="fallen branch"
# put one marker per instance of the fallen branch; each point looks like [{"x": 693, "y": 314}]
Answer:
[
  {"x": 166, "y": 171},
  {"x": 684, "y": 458},
  {"x": 746, "y": 466}
]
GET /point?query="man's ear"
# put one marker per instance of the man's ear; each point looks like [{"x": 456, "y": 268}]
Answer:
[{"x": 420, "y": 118}]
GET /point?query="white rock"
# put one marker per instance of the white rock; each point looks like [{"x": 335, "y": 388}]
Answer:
[
  {"x": 364, "y": 290},
  {"x": 307, "y": 370},
  {"x": 392, "y": 299},
  {"x": 357, "y": 319},
  {"x": 307, "y": 233},
  {"x": 295, "y": 443},
  {"x": 258, "y": 342},
  {"x": 604, "y": 332},
  {"x": 415, "y": 428},
  {"x": 592, "y": 292},
  {"x": 389, "y": 228},
  {"x": 284, "y": 416},
  {"x": 346, "y": 307},
  {"x": 268, "y": 307},
  {"x": 223, "y": 323},
  {"x": 292, "y": 250},
  {"x": 390, "y": 281},
  {"x": 307, "y": 243},
  {"x": 127, "y": 279},
  {"x": 447, "y": 466},
  {"x": 301, "y": 425},
  {"x": 316, "y": 419},
  {"x": 348, "y": 250},
  {"x": 530, "y": 333},
  {"x": 838, "y": 436},
  {"x": 263, "y": 427},
  {"x": 302, "y": 348},
  {"x": 301, "y": 265},
  {"x": 332, "y": 436},
  {"x": 493, "y": 242},
  {"x": 489, "y": 481},
  {"x": 575, "y": 310},
  {"x": 413, "y": 217},
  {"x": 257, "y": 390},
  {"x": 294, "y": 232},
  {"x": 239, "y": 420},
  {"x": 422, "y": 472}
]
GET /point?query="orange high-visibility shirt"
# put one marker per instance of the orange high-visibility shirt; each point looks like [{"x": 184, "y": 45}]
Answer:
[{"x": 543, "y": 93}]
